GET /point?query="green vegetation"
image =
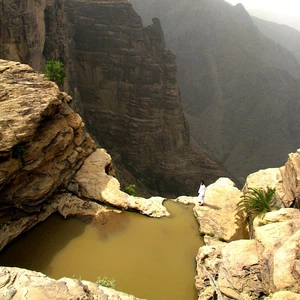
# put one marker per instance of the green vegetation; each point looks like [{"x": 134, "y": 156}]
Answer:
[
  {"x": 111, "y": 283},
  {"x": 55, "y": 71},
  {"x": 255, "y": 202},
  {"x": 130, "y": 190}
]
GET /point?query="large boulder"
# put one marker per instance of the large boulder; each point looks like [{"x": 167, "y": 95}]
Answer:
[
  {"x": 286, "y": 180},
  {"x": 218, "y": 216},
  {"x": 249, "y": 269},
  {"x": 94, "y": 183}
]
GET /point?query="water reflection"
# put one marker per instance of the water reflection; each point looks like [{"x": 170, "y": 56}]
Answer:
[{"x": 149, "y": 258}]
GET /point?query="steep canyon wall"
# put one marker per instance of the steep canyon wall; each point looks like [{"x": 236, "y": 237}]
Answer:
[
  {"x": 239, "y": 87},
  {"x": 123, "y": 81}
]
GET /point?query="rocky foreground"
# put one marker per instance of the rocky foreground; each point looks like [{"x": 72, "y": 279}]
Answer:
[{"x": 49, "y": 163}]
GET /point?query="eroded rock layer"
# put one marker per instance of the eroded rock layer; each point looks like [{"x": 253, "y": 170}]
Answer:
[
  {"x": 131, "y": 103},
  {"x": 123, "y": 82},
  {"x": 48, "y": 161}
]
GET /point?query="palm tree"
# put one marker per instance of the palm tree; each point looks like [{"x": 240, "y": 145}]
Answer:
[{"x": 256, "y": 201}]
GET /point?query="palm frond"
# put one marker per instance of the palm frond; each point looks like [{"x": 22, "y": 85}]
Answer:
[{"x": 256, "y": 201}]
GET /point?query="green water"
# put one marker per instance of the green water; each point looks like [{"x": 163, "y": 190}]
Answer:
[{"x": 150, "y": 258}]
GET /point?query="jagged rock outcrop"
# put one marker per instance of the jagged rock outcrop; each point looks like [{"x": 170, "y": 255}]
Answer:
[
  {"x": 43, "y": 142},
  {"x": 239, "y": 89},
  {"x": 123, "y": 81},
  {"x": 48, "y": 161},
  {"x": 267, "y": 265},
  {"x": 218, "y": 217},
  {"x": 249, "y": 269},
  {"x": 131, "y": 103},
  {"x": 285, "y": 180}
]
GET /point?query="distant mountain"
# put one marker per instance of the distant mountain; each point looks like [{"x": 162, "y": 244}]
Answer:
[
  {"x": 240, "y": 90},
  {"x": 278, "y": 17},
  {"x": 282, "y": 34}
]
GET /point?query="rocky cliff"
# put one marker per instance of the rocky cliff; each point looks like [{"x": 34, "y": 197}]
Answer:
[
  {"x": 284, "y": 35},
  {"x": 268, "y": 264},
  {"x": 123, "y": 81},
  {"x": 49, "y": 164},
  {"x": 128, "y": 85},
  {"x": 48, "y": 161},
  {"x": 239, "y": 89}
]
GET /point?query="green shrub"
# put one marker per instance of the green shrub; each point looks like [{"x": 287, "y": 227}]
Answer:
[
  {"x": 55, "y": 71},
  {"x": 111, "y": 283},
  {"x": 130, "y": 190},
  {"x": 256, "y": 201}
]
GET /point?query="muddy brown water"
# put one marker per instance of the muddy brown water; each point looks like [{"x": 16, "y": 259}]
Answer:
[{"x": 150, "y": 258}]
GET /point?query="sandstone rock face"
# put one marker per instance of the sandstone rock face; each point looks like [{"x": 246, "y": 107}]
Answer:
[
  {"x": 279, "y": 245},
  {"x": 43, "y": 144},
  {"x": 123, "y": 82},
  {"x": 95, "y": 184},
  {"x": 234, "y": 82},
  {"x": 218, "y": 215},
  {"x": 285, "y": 296},
  {"x": 249, "y": 269},
  {"x": 21, "y": 284},
  {"x": 128, "y": 85},
  {"x": 285, "y": 180},
  {"x": 267, "y": 265},
  {"x": 23, "y": 31},
  {"x": 40, "y": 134}
]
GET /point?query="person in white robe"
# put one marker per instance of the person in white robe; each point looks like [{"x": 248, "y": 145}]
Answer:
[{"x": 201, "y": 192}]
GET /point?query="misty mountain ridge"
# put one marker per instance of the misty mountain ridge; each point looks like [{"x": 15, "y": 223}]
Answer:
[
  {"x": 284, "y": 35},
  {"x": 240, "y": 89},
  {"x": 279, "y": 18}
]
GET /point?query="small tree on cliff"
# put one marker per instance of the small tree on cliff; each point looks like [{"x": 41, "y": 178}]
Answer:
[{"x": 55, "y": 71}]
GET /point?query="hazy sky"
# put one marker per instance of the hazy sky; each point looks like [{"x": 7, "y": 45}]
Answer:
[
  {"x": 279, "y": 11},
  {"x": 287, "y": 7}
]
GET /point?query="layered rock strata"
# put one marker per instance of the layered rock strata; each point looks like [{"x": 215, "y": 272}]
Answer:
[
  {"x": 34, "y": 31},
  {"x": 48, "y": 161},
  {"x": 131, "y": 103},
  {"x": 50, "y": 164},
  {"x": 123, "y": 81},
  {"x": 240, "y": 90}
]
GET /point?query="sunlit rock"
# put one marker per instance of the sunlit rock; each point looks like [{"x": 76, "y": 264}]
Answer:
[
  {"x": 22, "y": 284},
  {"x": 95, "y": 184},
  {"x": 217, "y": 217}
]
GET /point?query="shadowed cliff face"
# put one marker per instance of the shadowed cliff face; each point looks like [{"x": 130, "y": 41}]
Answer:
[
  {"x": 34, "y": 31},
  {"x": 123, "y": 81},
  {"x": 239, "y": 87},
  {"x": 128, "y": 85},
  {"x": 127, "y": 80},
  {"x": 22, "y": 30}
]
